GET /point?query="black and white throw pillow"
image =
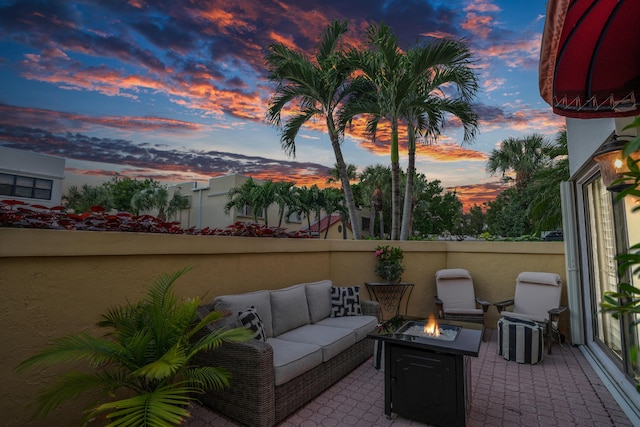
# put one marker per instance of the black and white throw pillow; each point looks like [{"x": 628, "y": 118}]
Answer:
[
  {"x": 251, "y": 320},
  {"x": 345, "y": 301}
]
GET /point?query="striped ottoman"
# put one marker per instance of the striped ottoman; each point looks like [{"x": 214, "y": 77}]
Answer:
[{"x": 520, "y": 340}]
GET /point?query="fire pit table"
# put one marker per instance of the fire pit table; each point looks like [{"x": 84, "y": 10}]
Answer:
[{"x": 428, "y": 378}]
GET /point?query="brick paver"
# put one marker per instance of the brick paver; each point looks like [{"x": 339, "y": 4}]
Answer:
[{"x": 563, "y": 390}]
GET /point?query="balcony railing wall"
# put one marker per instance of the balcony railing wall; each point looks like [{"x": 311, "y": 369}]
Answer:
[{"x": 54, "y": 283}]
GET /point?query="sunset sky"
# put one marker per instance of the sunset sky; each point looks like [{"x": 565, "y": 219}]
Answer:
[{"x": 176, "y": 90}]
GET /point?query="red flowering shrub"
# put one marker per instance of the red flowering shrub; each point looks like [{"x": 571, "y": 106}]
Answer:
[{"x": 18, "y": 214}]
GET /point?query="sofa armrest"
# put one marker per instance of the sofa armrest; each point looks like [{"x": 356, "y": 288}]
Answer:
[
  {"x": 371, "y": 308},
  {"x": 250, "y": 397}
]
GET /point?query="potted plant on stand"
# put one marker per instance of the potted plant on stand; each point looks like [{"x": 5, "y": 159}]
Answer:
[
  {"x": 141, "y": 368},
  {"x": 389, "y": 263}
]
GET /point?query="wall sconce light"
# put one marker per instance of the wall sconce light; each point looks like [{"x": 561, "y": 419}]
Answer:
[{"x": 611, "y": 163}]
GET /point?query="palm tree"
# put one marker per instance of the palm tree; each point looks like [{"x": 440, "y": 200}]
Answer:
[
  {"x": 158, "y": 198},
  {"x": 545, "y": 208},
  {"x": 318, "y": 87},
  {"x": 522, "y": 156},
  {"x": 333, "y": 201},
  {"x": 434, "y": 66},
  {"x": 142, "y": 365},
  {"x": 264, "y": 196},
  {"x": 334, "y": 173},
  {"x": 242, "y": 197},
  {"x": 284, "y": 199},
  {"x": 375, "y": 182},
  {"x": 303, "y": 201},
  {"x": 383, "y": 71}
]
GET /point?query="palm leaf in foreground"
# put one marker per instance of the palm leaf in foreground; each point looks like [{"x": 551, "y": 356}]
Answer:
[{"x": 144, "y": 356}]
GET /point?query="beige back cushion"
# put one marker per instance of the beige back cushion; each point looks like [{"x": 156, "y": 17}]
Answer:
[
  {"x": 289, "y": 308},
  {"x": 319, "y": 299},
  {"x": 537, "y": 293},
  {"x": 455, "y": 289},
  {"x": 234, "y": 304}
]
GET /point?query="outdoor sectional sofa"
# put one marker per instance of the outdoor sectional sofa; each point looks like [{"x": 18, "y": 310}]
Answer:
[{"x": 307, "y": 337}]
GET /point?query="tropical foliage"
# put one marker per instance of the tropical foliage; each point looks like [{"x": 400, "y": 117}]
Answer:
[
  {"x": 126, "y": 195},
  {"x": 316, "y": 87},
  {"x": 408, "y": 86},
  {"x": 534, "y": 167},
  {"x": 141, "y": 368}
]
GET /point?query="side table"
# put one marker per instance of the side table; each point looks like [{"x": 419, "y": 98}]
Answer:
[{"x": 389, "y": 295}]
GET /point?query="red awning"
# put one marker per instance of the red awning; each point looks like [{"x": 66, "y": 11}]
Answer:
[{"x": 590, "y": 58}]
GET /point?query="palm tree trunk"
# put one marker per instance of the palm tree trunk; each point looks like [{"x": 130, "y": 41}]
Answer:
[
  {"x": 344, "y": 178},
  {"x": 372, "y": 219},
  {"x": 381, "y": 217},
  {"x": 395, "y": 181},
  {"x": 408, "y": 191}
]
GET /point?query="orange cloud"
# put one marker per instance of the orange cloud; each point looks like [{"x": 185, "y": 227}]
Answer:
[
  {"x": 479, "y": 25},
  {"x": 482, "y": 6},
  {"x": 450, "y": 152},
  {"x": 477, "y": 194}
]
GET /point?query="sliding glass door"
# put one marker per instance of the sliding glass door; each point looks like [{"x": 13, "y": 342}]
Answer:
[{"x": 611, "y": 226}]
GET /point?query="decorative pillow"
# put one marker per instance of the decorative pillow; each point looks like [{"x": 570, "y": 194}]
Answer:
[
  {"x": 345, "y": 301},
  {"x": 251, "y": 320}
]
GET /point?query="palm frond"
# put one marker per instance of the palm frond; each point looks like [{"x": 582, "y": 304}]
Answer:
[
  {"x": 71, "y": 349},
  {"x": 164, "y": 366},
  {"x": 161, "y": 407},
  {"x": 208, "y": 377},
  {"x": 216, "y": 337},
  {"x": 72, "y": 385}
]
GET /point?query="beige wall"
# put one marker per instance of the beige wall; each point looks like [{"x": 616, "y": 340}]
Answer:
[{"x": 53, "y": 283}]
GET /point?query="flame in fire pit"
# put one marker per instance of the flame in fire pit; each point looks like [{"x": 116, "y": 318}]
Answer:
[{"x": 431, "y": 327}]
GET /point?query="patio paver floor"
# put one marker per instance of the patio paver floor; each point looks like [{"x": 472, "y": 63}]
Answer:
[{"x": 563, "y": 390}]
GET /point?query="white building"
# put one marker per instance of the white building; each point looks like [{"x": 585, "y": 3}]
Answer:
[
  {"x": 206, "y": 205},
  {"x": 31, "y": 177},
  {"x": 590, "y": 73}
]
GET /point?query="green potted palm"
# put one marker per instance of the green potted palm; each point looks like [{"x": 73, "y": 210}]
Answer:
[{"x": 141, "y": 368}]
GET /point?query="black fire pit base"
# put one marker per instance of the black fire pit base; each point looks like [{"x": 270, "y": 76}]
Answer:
[{"x": 427, "y": 379}]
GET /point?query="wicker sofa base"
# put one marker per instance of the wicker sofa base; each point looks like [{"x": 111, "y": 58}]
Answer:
[
  {"x": 295, "y": 393},
  {"x": 253, "y": 400}
]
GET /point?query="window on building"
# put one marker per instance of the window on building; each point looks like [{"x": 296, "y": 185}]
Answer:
[
  {"x": 366, "y": 222},
  {"x": 25, "y": 186},
  {"x": 247, "y": 211},
  {"x": 295, "y": 217}
]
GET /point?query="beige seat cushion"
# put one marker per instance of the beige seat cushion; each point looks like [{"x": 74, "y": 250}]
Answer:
[
  {"x": 333, "y": 341},
  {"x": 360, "y": 325},
  {"x": 291, "y": 359}
]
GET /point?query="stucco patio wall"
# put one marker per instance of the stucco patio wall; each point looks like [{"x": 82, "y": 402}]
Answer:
[{"x": 54, "y": 283}]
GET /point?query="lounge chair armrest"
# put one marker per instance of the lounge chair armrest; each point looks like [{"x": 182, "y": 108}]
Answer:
[
  {"x": 503, "y": 304},
  {"x": 439, "y": 307},
  {"x": 558, "y": 310},
  {"x": 371, "y": 308},
  {"x": 555, "y": 313},
  {"x": 485, "y": 304}
]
